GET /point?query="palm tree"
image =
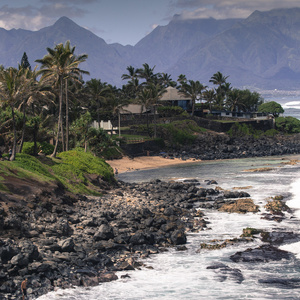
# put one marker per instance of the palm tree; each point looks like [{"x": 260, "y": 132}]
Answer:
[
  {"x": 234, "y": 100},
  {"x": 32, "y": 91},
  {"x": 146, "y": 73},
  {"x": 223, "y": 87},
  {"x": 132, "y": 73},
  {"x": 98, "y": 93},
  {"x": 181, "y": 79},
  {"x": 61, "y": 63},
  {"x": 116, "y": 105},
  {"x": 156, "y": 92},
  {"x": 165, "y": 80},
  {"x": 145, "y": 98},
  {"x": 12, "y": 90},
  {"x": 192, "y": 89},
  {"x": 209, "y": 96},
  {"x": 218, "y": 79},
  {"x": 133, "y": 81}
]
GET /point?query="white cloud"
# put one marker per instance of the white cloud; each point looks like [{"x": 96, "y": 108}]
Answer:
[
  {"x": 222, "y": 9},
  {"x": 36, "y": 17}
]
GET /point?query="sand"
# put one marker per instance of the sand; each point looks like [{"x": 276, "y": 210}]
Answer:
[{"x": 127, "y": 164}]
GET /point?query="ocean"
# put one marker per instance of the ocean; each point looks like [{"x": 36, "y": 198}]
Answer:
[{"x": 185, "y": 274}]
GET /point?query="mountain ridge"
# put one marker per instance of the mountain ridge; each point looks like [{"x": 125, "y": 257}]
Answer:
[{"x": 259, "y": 52}]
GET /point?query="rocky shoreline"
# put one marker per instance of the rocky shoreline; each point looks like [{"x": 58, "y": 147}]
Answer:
[
  {"x": 210, "y": 146},
  {"x": 61, "y": 241}
]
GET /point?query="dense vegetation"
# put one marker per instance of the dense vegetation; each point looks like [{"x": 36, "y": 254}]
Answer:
[
  {"x": 53, "y": 104},
  {"x": 70, "y": 169}
]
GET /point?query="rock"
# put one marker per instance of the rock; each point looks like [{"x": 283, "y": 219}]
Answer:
[
  {"x": 289, "y": 283},
  {"x": 178, "y": 237},
  {"x": 240, "y": 206},
  {"x": 107, "y": 277},
  {"x": 67, "y": 245},
  {"x": 138, "y": 239},
  {"x": 105, "y": 232},
  {"x": 19, "y": 260},
  {"x": 224, "y": 272},
  {"x": 278, "y": 238},
  {"x": 264, "y": 253}
]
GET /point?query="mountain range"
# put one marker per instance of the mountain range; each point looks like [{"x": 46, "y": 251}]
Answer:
[{"x": 259, "y": 52}]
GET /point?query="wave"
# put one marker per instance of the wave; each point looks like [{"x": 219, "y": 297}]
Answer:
[{"x": 291, "y": 104}]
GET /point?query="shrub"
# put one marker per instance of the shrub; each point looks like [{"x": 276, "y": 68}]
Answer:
[
  {"x": 287, "y": 124},
  {"x": 239, "y": 130},
  {"x": 169, "y": 111},
  {"x": 180, "y": 132},
  {"x": 28, "y": 148}
]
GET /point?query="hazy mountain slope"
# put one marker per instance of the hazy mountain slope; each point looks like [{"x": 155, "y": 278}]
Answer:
[
  {"x": 166, "y": 44},
  {"x": 260, "y": 51},
  {"x": 104, "y": 61}
]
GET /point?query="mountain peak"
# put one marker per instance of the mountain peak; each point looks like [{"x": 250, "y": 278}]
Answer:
[{"x": 64, "y": 21}]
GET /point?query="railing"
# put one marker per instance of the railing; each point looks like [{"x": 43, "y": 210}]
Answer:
[{"x": 135, "y": 140}]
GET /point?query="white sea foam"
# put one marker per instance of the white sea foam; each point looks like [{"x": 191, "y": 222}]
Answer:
[
  {"x": 291, "y": 104},
  {"x": 294, "y": 203},
  {"x": 184, "y": 275}
]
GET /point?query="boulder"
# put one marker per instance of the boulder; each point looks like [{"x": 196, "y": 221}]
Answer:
[
  {"x": 178, "y": 237},
  {"x": 224, "y": 272},
  {"x": 105, "y": 232},
  {"x": 240, "y": 206},
  {"x": 264, "y": 253},
  {"x": 67, "y": 245}
]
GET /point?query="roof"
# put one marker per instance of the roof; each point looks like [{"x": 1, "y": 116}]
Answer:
[
  {"x": 133, "y": 109},
  {"x": 173, "y": 94}
]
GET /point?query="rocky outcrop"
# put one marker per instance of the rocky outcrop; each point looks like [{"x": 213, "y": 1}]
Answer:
[
  {"x": 240, "y": 206},
  {"x": 210, "y": 146},
  {"x": 264, "y": 253},
  {"x": 63, "y": 241}
]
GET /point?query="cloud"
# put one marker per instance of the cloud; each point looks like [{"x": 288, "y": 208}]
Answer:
[
  {"x": 223, "y": 9},
  {"x": 36, "y": 17}
]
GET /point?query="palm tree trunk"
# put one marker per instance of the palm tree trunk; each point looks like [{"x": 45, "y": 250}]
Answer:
[
  {"x": 154, "y": 121},
  {"x": 119, "y": 123},
  {"x": 67, "y": 117},
  {"x": 59, "y": 118},
  {"x": 193, "y": 107},
  {"x": 98, "y": 113},
  {"x": 13, "y": 154},
  {"x": 23, "y": 129}
]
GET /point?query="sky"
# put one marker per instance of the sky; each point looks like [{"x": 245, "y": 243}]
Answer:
[{"x": 125, "y": 21}]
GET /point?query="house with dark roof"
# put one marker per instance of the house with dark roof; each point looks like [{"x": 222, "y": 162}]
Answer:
[{"x": 174, "y": 98}]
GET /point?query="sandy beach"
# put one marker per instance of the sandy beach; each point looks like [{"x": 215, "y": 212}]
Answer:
[{"x": 127, "y": 164}]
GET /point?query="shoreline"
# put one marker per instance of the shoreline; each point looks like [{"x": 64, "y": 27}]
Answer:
[{"x": 126, "y": 164}]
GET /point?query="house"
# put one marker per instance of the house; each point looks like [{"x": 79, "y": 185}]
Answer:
[
  {"x": 133, "y": 109},
  {"x": 174, "y": 98}
]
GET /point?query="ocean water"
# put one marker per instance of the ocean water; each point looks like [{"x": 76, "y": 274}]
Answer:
[{"x": 184, "y": 274}]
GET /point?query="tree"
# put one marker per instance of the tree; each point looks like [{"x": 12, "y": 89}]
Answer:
[
  {"x": 133, "y": 85},
  {"x": 147, "y": 73},
  {"x": 165, "y": 80},
  {"x": 192, "y": 89},
  {"x": 116, "y": 105},
  {"x": 223, "y": 87},
  {"x": 24, "y": 62},
  {"x": 98, "y": 94},
  {"x": 61, "y": 63},
  {"x": 12, "y": 90},
  {"x": 81, "y": 127},
  {"x": 271, "y": 107},
  {"x": 209, "y": 96},
  {"x": 218, "y": 79}
]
